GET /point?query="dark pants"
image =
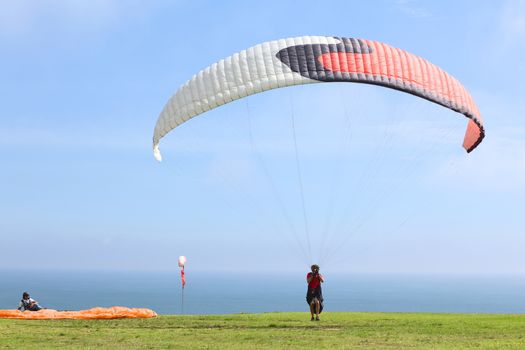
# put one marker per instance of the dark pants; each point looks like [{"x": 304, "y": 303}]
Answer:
[
  {"x": 35, "y": 307},
  {"x": 315, "y": 293}
]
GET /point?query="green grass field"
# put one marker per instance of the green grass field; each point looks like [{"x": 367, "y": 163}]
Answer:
[{"x": 273, "y": 331}]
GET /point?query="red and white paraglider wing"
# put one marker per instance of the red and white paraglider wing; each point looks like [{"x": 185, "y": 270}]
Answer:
[{"x": 315, "y": 59}]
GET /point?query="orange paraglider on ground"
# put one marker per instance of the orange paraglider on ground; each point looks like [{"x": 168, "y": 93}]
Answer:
[{"x": 91, "y": 314}]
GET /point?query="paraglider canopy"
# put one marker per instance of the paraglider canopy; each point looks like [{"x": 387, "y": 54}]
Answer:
[{"x": 317, "y": 59}]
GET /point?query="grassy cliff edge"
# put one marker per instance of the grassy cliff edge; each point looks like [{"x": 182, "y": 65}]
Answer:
[{"x": 336, "y": 330}]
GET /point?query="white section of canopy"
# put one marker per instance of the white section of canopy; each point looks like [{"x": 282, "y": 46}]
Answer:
[{"x": 245, "y": 73}]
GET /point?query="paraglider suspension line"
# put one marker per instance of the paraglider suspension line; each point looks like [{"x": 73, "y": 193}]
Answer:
[{"x": 301, "y": 187}]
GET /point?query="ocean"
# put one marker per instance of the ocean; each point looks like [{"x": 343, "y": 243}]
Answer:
[{"x": 227, "y": 292}]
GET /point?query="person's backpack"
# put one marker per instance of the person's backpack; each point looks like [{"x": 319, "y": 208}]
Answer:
[{"x": 25, "y": 304}]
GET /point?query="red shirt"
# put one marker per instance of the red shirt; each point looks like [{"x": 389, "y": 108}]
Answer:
[{"x": 315, "y": 282}]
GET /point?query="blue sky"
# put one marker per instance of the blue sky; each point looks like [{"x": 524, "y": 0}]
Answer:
[{"x": 82, "y": 83}]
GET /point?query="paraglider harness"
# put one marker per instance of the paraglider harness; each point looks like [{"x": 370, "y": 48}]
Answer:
[
  {"x": 316, "y": 292},
  {"x": 24, "y": 304}
]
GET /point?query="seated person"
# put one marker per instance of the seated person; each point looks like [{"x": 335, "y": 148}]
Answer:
[{"x": 28, "y": 304}]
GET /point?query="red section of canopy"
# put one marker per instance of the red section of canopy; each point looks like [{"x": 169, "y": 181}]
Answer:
[
  {"x": 91, "y": 314},
  {"x": 411, "y": 73}
]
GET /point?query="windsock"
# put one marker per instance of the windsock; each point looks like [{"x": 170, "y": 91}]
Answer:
[{"x": 182, "y": 261}]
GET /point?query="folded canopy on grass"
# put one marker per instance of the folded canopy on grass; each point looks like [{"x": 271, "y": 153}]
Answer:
[{"x": 96, "y": 313}]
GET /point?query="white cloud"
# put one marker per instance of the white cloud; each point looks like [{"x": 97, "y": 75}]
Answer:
[
  {"x": 412, "y": 9},
  {"x": 497, "y": 165},
  {"x": 83, "y": 138},
  {"x": 513, "y": 21},
  {"x": 237, "y": 170},
  {"x": 16, "y": 17},
  {"x": 26, "y": 18}
]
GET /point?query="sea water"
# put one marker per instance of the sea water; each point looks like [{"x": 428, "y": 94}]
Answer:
[{"x": 229, "y": 292}]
